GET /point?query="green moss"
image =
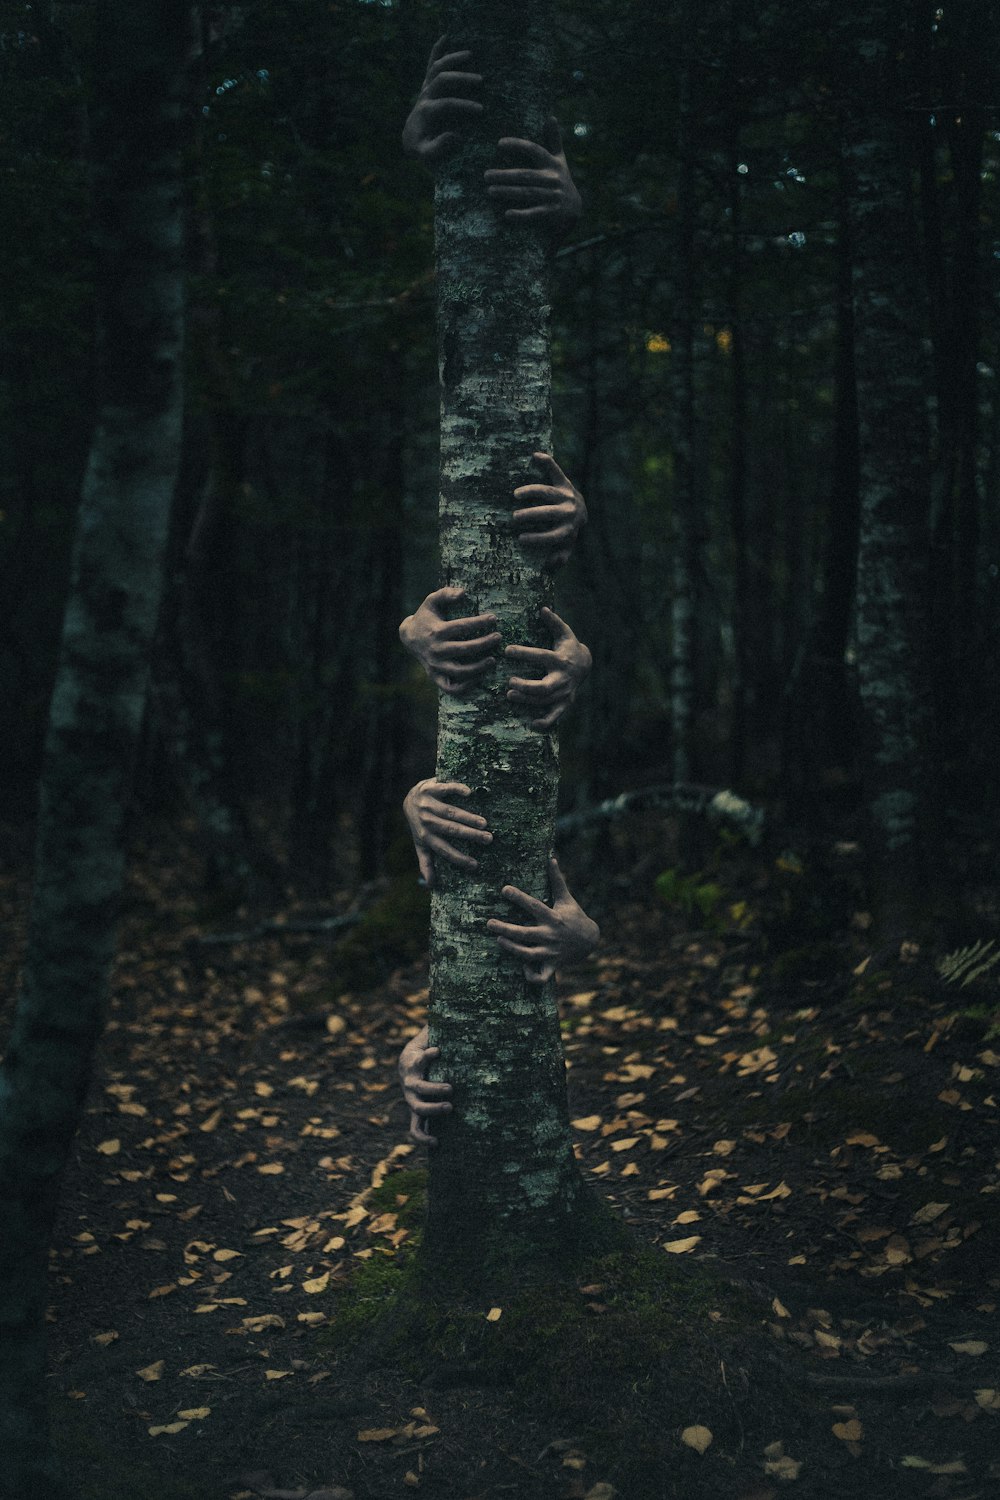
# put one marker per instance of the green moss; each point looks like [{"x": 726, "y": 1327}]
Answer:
[
  {"x": 392, "y": 932},
  {"x": 410, "y": 1185},
  {"x": 626, "y": 1351}
]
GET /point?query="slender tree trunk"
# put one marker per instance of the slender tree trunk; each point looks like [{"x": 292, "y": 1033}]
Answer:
[
  {"x": 100, "y": 686},
  {"x": 894, "y": 463},
  {"x": 821, "y": 712},
  {"x": 686, "y": 528},
  {"x": 503, "y": 1180},
  {"x": 742, "y": 613}
]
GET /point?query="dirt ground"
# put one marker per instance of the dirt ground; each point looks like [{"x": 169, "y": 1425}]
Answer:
[{"x": 820, "y": 1125}]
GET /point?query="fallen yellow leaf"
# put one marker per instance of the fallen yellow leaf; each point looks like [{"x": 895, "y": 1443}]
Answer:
[
  {"x": 271, "y": 1169},
  {"x": 988, "y": 1399},
  {"x": 779, "y": 1309},
  {"x": 586, "y": 1122},
  {"x": 849, "y": 1432},
  {"x": 377, "y": 1434},
  {"x": 152, "y": 1372},
  {"x": 210, "y": 1122},
  {"x": 680, "y": 1247},
  {"x": 969, "y": 1346},
  {"x": 227, "y": 1254},
  {"x": 110, "y": 1148},
  {"x": 317, "y": 1284},
  {"x": 104, "y": 1339},
  {"x": 494, "y": 1314},
  {"x": 195, "y": 1413},
  {"x": 276, "y": 1374},
  {"x": 195, "y": 1370},
  {"x": 697, "y": 1438},
  {"x": 311, "y": 1318},
  {"x": 264, "y": 1320}
]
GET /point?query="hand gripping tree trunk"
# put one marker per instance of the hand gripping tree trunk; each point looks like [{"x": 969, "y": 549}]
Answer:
[
  {"x": 100, "y": 686},
  {"x": 503, "y": 1183}
]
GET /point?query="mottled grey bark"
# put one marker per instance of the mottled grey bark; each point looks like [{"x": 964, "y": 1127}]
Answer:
[
  {"x": 100, "y": 685},
  {"x": 893, "y": 436},
  {"x": 503, "y": 1178}
]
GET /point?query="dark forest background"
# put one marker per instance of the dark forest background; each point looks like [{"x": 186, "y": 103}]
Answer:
[{"x": 707, "y": 403}]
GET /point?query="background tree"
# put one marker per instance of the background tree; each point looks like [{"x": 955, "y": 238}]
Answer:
[{"x": 97, "y": 704}]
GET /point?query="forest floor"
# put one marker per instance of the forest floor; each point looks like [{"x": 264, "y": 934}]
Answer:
[{"x": 818, "y": 1124}]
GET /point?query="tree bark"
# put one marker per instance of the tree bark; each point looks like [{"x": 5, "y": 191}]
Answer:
[
  {"x": 503, "y": 1182},
  {"x": 685, "y": 529},
  {"x": 893, "y": 463},
  {"x": 100, "y": 685}
]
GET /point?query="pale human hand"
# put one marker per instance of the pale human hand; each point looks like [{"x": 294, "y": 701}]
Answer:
[
  {"x": 423, "y": 1098},
  {"x": 433, "y": 822},
  {"x": 564, "y": 668},
  {"x": 541, "y": 190},
  {"x": 555, "y": 511},
  {"x": 561, "y": 933},
  {"x": 444, "y": 102},
  {"x": 453, "y": 653}
]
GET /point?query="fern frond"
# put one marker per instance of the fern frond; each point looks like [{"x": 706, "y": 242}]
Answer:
[{"x": 967, "y": 964}]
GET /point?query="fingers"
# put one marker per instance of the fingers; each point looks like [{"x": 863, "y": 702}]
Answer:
[
  {"x": 468, "y": 649},
  {"x": 551, "y": 513},
  {"x": 452, "y": 855},
  {"x": 531, "y": 904},
  {"x": 514, "y": 932},
  {"x": 440, "y": 110},
  {"x": 518, "y": 949},
  {"x": 470, "y": 626},
  {"x": 530, "y": 149},
  {"x": 461, "y": 670},
  {"x": 418, "y": 1133},
  {"x": 440, "y": 146},
  {"x": 539, "y": 976},
  {"x": 426, "y": 866},
  {"x": 436, "y": 807},
  {"x": 436, "y": 64},
  {"x": 451, "y": 85},
  {"x": 532, "y": 656},
  {"x": 536, "y": 690},
  {"x": 551, "y": 718},
  {"x": 451, "y": 828},
  {"x": 432, "y": 1098}
]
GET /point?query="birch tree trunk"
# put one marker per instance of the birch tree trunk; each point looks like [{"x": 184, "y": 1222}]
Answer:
[
  {"x": 503, "y": 1183},
  {"x": 100, "y": 685},
  {"x": 893, "y": 444}
]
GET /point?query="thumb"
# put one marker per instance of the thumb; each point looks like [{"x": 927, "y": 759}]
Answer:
[
  {"x": 552, "y": 136},
  {"x": 557, "y": 881},
  {"x": 558, "y": 627},
  {"x": 450, "y": 594}
]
